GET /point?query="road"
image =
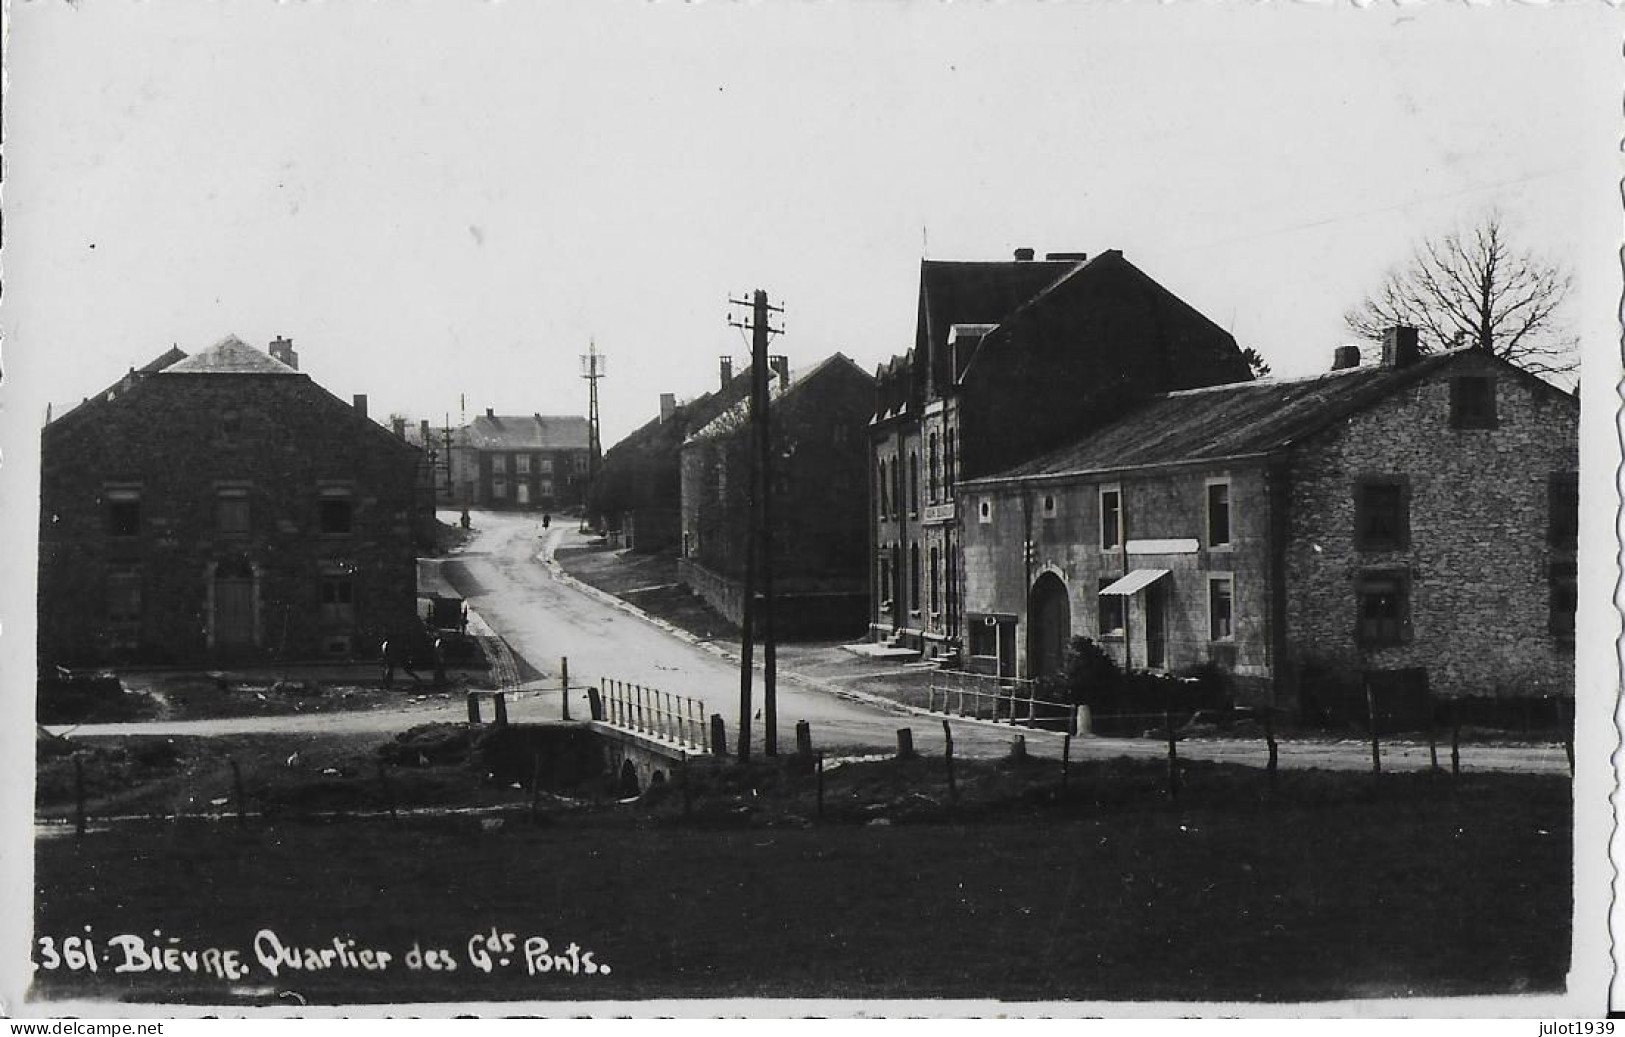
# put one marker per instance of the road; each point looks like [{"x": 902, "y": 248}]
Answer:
[{"x": 544, "y": 616}]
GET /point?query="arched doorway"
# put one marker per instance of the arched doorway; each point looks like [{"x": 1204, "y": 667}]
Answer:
[{"x": 1049, "y": 626}]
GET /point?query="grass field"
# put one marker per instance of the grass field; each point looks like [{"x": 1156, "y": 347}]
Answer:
[{"x": 1336, "y": 886}]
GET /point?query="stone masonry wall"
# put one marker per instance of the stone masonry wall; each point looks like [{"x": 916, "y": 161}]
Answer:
[
  {"x": 1479, "y": 547},
  {"x": 178, "y": 439}
]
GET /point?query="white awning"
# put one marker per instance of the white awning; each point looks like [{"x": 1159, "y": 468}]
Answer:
[{"x": 1139, "y": 579}]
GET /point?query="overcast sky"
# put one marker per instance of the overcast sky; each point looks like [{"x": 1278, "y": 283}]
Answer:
[{"x": 440, "y": 200}]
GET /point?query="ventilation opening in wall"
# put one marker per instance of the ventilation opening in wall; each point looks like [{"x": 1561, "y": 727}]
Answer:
[{"x": 336, "y": 647}]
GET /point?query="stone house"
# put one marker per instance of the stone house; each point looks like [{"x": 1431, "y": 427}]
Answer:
[
  {"x": 224, "y": 507},
  {"x": 1010, "y": 359},
  {"x": 533, "y": 461},
  {"x": 1411, "y": 522},
  {"x": 639, "y": 491},
  {"x": 819, "y": 502}
]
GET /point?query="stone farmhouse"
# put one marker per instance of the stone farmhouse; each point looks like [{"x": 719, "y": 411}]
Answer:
[
  {"x": 224, "y": 507},
  {"x": 819, "y": 502},
  {"x": 1408, "y": 524},
  {"x": 1010, "y": 359}
]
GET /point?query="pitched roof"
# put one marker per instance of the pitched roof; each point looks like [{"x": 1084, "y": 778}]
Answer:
[
  {"x": 732, "y": 417},
  {"x": 526, "y": 432},
  {"x": 975, "y": 293},
  {"x": 1062, "y": 292},
  {"x": 1225, "y": 422},
  {"x": 231, "y": 355}
]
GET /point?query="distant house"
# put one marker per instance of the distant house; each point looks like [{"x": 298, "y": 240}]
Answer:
[
  {"x": 221, "y": 507},
  {"x": 1010, "y": 359},
  {"x": 1408, "y": 524},
  {"x": 525, "y": 461},
  {"x": 639, "y": 490},
  {"x": 819, "y": 502}
]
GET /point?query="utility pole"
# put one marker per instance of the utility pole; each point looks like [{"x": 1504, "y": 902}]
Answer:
[
  {"x": 445, "y": 436},
  {"x": 759, "y": 518},
  {"x": 592, "y": 369}
]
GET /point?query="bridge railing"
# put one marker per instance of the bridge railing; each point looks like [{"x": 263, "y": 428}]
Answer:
[{"x": 652, "y": 712}]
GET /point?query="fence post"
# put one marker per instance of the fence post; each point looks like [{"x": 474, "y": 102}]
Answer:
[
  {"x": 237, "y": 793},
  {"x": 1066, "y": 761},
  {"x": 474, "y": 707},
  {"x": 1565, "y": 723},
  {"x": 1269, "y": 739},
  {"x": 820, "y": 785},
  {"x": 1173, "y": 754},
  {"x": 688, "y": 789},
  {"x": 948, "y": 754},
  {"x": 564, "y": 685},
  {"x": 930, "y": 698},
  {"x": 1433, "y": 745},
  {"x": 1371, "y": 719},
  {"x": 1018, "y": 749},
  {"x": 719, "y": 736},
  {"x": 905, "y": 742},
  {"x": 803, "y": 738},
  {"x": 595, "y": 703},
  {"x": 1455, "y": 741},
  {"x": 502, "y": 709}
]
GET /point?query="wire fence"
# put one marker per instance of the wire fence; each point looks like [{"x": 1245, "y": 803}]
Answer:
[{"x": 652, "y": 712}]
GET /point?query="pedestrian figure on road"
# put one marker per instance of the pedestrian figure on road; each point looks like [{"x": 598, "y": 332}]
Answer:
[
  {"x": 439, "y": 662},
  {"x": 386, "y": 665},
  {"x": 547, "y": 520}
]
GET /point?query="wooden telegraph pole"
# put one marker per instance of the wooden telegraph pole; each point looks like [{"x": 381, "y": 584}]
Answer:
[
  {"x": 592, "y": 369},
  {"x": 759, "y": 519}
]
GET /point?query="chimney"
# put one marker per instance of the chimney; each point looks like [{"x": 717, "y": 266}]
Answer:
[
  {"x": 668, "y": 406},
  {"x": 1024, "y": 255},
  {"x": 423, "y": 431},
  {"x": 282, "y": 349},
  {"x": 727, "y": 370},
  {"x": 1399, "y": 348},
  {"x": 489, "y": 413},
  {"x": 780, "y": 365},
  {"x": 1066, "y": 257},
  {"x": 361, "y": 403},
  {"x": 1345, "y": 357},
  {"x": 398, "y": 423}
]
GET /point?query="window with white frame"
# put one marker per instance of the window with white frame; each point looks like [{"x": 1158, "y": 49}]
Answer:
[
  {"x": 1049, "y": 507},
  {"x": 1218, "y": 513},
  {"x": 1111, "y": 610},
  {"x": 984, "y": 510},
  {"x": 1221, "y": 597},
  {"x": 1111, "y": 518}
]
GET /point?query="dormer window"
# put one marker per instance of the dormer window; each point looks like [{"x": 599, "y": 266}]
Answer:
[
  {"x": 984, "y": 510},
  {"x": 1049, "y": 509}
]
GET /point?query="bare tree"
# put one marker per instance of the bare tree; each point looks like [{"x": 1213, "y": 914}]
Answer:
[{"x": 1473, "y": 288}]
